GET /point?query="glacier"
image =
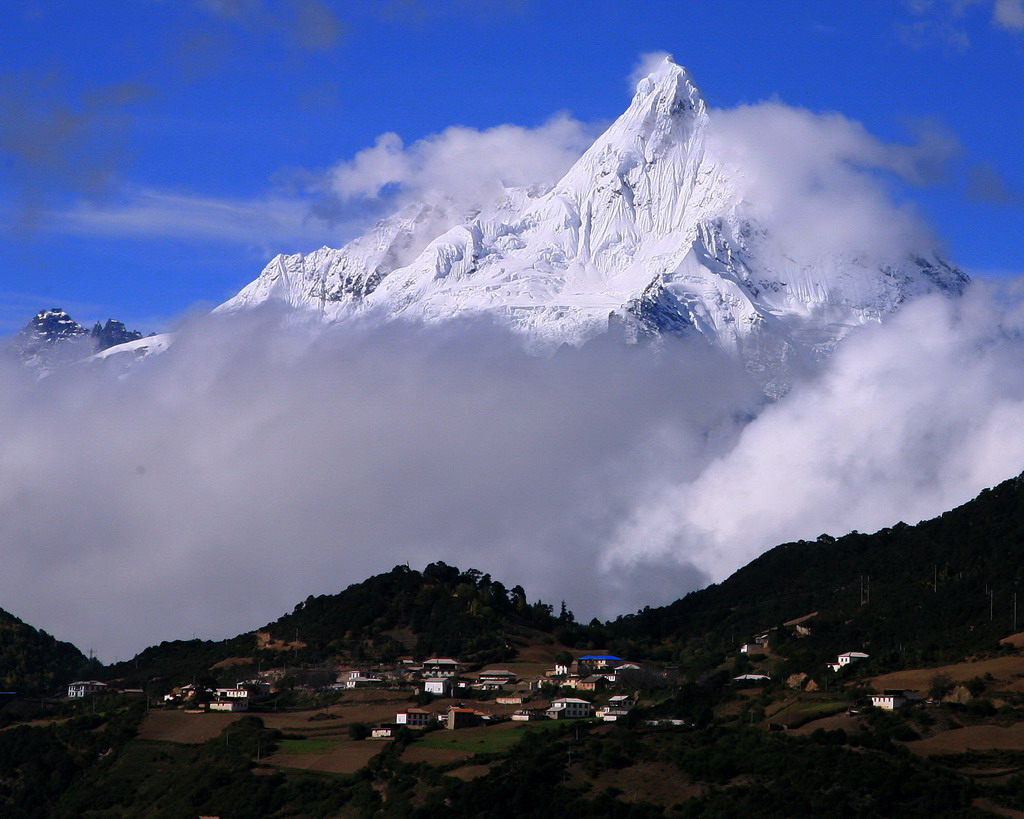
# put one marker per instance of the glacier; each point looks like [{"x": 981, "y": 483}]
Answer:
[{"x": 648, "y": 233}]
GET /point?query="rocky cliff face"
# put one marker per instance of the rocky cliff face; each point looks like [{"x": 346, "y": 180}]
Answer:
[{"x": 52, "y": 337}]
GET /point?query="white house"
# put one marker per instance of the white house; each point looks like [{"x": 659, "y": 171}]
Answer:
[
  {"x": 497, "y": 676},
  {"x": 83, "y": 688},
  {"x": 617, "y": 708},
  {"x": 441, "y": 667},
  {"x": 231, "y": 694},
  {"x": 362, "y": 682},
  {"x": 439, "y": 686},
  {"x": 413, "y": 717},
  {"x": 892, "y": 698},
  {"x": 235, "y": 704},
  {"x": 569, "y": 708},
  {"x": 846, "y": 658}
]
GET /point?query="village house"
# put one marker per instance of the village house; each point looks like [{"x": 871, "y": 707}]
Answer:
[
  {"x": 383, "y": 732},
  {"x": 527, "y": 715},
  {"x": 191, "y": 690},
  {"x": 846, "y": 658},
  {"x": 595, "y": 682},
  {"x": 892, "y": 698},
  {"x": 593, "y": 663},
  {"x": 82, "y": 688},
  {"x": 495, "y": 679},
  {"x": 569, "y": 708},
  {"x": 413, "y": 718},
  {"x": 461, "y": 718},
  {"x": 439, "y": 686},
  {"x": 441, "y": 667},
  {"x": 751, "y": 678},
  {"x": 511, "y": 699},
  {"x": 357, "y": 679},
  {"x": 612, "y": 675},
  {"x": 231, "y": 693},
  {"x": 256, "y": 688},
  {"x": 235, "y": 704},
  {"x": 617, "y": 708}
]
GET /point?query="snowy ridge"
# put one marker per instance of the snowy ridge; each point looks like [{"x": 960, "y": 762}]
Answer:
[{"x": 646, "y": 229}]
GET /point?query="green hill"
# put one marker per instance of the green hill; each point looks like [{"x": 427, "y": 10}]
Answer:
[
  {"x": 909, "y": 595},
  {"x": 33, "y": 662},
  {"x": 439, "y": 611}
]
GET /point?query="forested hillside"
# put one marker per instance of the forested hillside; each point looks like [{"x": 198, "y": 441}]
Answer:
[
  {"x": 912, "y": 595},
  {"x": 33, "y": 662}
]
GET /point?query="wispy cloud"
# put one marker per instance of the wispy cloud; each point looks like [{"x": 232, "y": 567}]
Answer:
[
  {"x": 57, "y": 139},
  {"x": 311, "y": 25},
  {"x": 945, "y": 22},
  {"x": 461, "y": 170},
  {"x": 270, "y": 222}
]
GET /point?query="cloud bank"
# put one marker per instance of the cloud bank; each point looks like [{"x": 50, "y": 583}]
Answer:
[
  {"x": 824, "y": 183},
  {"x": 256, "y": 463},
  {"x": 908, "y": 420}
]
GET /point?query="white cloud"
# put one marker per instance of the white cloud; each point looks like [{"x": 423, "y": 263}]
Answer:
[
  {"x": 468, "y": 167},
  {"x": 909, "y": 419},
  {"x": 819, "y": 179},
  {"x": 256, "y": 463},
  {"x": 1009, "y": 14},
  {"x": 648, "y": 63},
  {"x": 459, "y": 171},
  {"x": 271, "y": 224}
]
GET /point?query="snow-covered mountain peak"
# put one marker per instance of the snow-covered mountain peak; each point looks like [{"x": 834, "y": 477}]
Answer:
[
  {"x": 665, "y": 99},
  {"x": 647, "y": 227}
]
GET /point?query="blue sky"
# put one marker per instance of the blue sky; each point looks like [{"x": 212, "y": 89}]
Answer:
[{"x": 155, "y": 154}]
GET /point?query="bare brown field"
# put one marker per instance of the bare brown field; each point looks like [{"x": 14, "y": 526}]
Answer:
[
  {"x": 844, "y": 721},
  {"x": 348, "y": 757},
  {"x": 1002, "y": 668},
  {"x": 189, "y": 729},
  {"x": 657, "y": 782},
  {"x": 230, "y": 661},
  {"x": 433, "y": 756},
  {"x": 468, "y": 772},
  {"x": 37, "y": 722},
  {"x": 973, "y": 737},
  {"x": 999, "y": 810},
  {"x": 359, "y": 710}
]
